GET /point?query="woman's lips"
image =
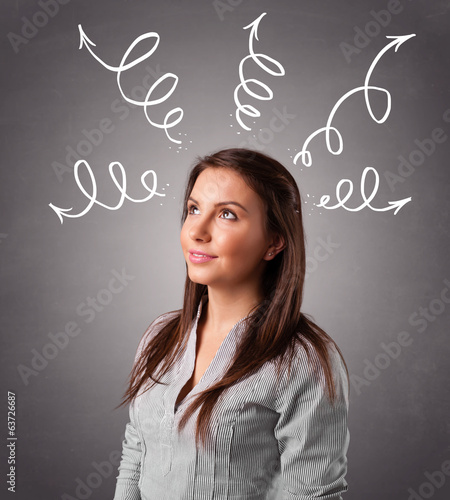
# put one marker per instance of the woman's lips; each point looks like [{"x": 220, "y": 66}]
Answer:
[{"x": 198, "y": 257}]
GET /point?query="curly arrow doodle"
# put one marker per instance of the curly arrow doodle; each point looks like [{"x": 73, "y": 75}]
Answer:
[
  {"x": 393, "y": 205},
  {"x": 124, "y": 66},
  {"x": 248, "y": 109},
  {"x": 121, "y": 186},
  {"x": 305, "y": 154}
]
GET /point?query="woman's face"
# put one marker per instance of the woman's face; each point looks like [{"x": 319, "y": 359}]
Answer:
[{"x": 224, "y": 238}]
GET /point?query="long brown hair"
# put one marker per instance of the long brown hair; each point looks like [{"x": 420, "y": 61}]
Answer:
[{"x": 277, "y": 325}]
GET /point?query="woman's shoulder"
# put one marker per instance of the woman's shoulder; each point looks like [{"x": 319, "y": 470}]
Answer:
[
  {"x": 305, "y": 349},
  {"x": 162, "y": 320},
  {"x": 304, "y": 367},
  {"x": 154, "y": 328}
]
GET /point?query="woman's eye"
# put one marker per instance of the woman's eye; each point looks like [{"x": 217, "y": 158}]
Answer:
[
  {"x": 192, "y": 210},
  {"x": 228, "y": 214}
]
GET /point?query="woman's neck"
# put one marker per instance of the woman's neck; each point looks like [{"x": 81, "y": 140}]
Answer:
[{"x": 224, "y": 309}]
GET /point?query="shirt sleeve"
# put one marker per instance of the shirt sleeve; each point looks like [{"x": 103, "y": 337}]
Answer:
[
  {"x": 312, "y": 432},
  {"x": 127, "y": 486}
]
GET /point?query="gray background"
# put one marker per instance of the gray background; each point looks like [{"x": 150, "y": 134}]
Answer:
[{"x": 371, "y": 275}]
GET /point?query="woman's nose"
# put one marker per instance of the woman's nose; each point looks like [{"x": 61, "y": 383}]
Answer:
[{"x": 199, "y": 230}]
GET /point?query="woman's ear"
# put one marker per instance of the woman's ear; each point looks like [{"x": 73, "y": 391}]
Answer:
[{"x": 276, "y": 246}]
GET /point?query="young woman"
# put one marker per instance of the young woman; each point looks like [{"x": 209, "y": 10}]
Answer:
[{"x": 238, "y": 395}]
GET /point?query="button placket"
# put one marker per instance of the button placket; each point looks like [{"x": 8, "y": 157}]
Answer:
[{"x": 165, "y": 441}]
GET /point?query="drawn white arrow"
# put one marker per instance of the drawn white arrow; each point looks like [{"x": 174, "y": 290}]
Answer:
[
  {"x": 397, "y": 41},
  {"x": 393, "y": 205},
  {"x": 258, "y": 58},
  {"x": 123, "y": 66},
  {"x": 305, "y": 154},
  {"x": 87, "y": 42},
  {"x": 92, "y": 197}
]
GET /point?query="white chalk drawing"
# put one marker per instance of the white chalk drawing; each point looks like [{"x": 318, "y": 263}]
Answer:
[
  {"x": 175, "y": 114},
  {"x": 120, "y": 184},
  {"x": 248, "y": 109},
  {"x": 306, "y": 157},
  {"x": 393, "y": 205},
  {"x": 305, "y": 154}
]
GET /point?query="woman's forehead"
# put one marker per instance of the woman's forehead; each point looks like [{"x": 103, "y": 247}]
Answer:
[
  {"x": 221, "y": 181},
  {"x": 221, "y": 184}
]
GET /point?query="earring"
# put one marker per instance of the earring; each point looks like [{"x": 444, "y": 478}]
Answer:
[{"x": 270, "y": 254}]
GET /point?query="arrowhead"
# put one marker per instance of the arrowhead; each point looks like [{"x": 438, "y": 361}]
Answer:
[
  {"x": 399, "y": 204},
  {"x": 59, "y": 211},
  {"x": 399, "y": 40},
  {"x": 254, "y": 25},
  {"x": 84, "y": 40}
]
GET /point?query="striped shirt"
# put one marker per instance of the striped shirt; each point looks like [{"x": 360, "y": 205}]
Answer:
[{"x": 271, "y": 437}]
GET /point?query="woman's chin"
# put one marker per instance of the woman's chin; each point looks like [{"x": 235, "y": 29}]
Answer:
[{"x": 198, "y": 279}]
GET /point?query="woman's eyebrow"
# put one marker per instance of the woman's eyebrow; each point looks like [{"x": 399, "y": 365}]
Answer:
[{"x": 222, "y": 203}]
